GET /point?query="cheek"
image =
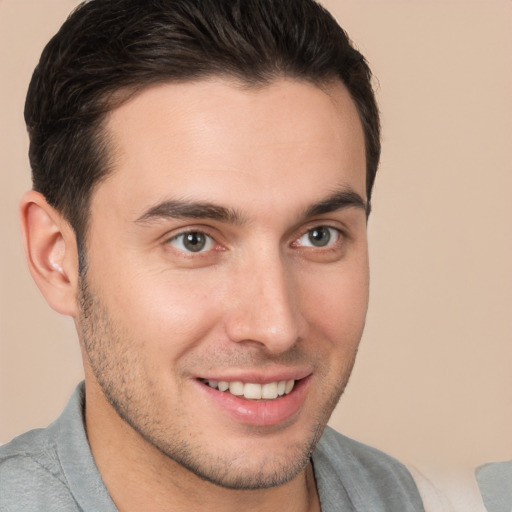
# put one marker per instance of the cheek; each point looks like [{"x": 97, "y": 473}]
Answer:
[
  {"x": 164, "y": 311},
  {"x": 336, "y": 303}
]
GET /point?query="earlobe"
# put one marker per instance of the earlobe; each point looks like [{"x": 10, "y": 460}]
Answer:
[{"x": 50, "y": 248}]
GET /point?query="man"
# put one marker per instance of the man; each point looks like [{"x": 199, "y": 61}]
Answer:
[{"x": 202, "y": 176}]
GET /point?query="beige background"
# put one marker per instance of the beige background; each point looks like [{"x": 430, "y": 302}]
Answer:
[{"x": 433, "y": 384}]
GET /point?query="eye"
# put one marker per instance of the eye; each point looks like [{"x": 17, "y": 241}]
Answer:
[
  {"x": 320, "y": 236},
  {"x": 192, "y": 241}
]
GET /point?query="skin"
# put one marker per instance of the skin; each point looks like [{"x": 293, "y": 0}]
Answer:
[{"x": 260, "y": 302}]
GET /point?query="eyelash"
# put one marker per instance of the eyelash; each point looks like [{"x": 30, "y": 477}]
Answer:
[{"x": 211, "y": 242}]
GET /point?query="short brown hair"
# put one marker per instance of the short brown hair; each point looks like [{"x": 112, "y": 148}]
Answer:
[{"x": 107, "y": 46}]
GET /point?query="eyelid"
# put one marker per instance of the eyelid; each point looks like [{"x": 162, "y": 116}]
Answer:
[{"x": 189, "y": 228}]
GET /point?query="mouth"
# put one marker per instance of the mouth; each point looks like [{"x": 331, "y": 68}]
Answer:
[
  {"x": 251, "y": 390},
  {"x": 259, "y": 404}
]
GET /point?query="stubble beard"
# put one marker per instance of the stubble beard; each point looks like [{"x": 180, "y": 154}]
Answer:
[{"x": 115, "y": 369}]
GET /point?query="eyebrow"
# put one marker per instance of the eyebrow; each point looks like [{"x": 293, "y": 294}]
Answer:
[
  {"x": 175, "y": 209},
  {"x": 337, "y": 201},
  {"x": 179, "y": 209}
]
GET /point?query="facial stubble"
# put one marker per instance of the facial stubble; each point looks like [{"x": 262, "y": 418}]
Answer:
[{"x": 116, "y": 366}]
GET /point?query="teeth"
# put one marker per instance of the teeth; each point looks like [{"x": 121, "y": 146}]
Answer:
[
  {"x": 223, "y": 385},
  {"x": 269, "y": 391},
  {"x": 236, "y": 388},
  {"x": 251, "y": 391}
]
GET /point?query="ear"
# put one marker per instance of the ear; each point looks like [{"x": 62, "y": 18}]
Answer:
[{"x": 51, "y": 250}]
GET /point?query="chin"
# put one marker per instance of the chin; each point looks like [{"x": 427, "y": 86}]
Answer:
[{"x": 242, "y": 473}]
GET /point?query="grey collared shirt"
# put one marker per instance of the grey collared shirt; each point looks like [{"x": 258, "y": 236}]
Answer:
[
  {"x": 53, "y": 470},
  {"x": 495, "y": 483}
]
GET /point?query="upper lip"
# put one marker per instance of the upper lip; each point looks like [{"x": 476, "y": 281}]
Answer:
[{"x": 258, "y": 377}]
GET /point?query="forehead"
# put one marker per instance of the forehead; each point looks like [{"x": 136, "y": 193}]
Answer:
[{"x": 217, "y": 140}]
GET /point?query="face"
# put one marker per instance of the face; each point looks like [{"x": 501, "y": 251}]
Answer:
[{"x": 227, "y": 279}]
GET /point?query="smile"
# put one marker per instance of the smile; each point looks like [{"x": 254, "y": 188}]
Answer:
[{"x": 253, "y": 391}]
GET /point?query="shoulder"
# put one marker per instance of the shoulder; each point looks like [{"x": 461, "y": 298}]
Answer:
[
  {"x": 339, "y": 451},
  {"x": 31, "y": 477},
  {"x": 495, "y": 483},
  {"x": 371, "y": 479}
]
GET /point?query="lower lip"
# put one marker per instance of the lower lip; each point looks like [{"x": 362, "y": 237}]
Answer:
[{"x": 261, "y": 413}]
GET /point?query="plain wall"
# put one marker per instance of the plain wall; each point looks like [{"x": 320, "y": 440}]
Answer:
[{"x": 433, "y": 381}]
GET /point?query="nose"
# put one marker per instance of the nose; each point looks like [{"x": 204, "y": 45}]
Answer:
[{"x": 265, "y": 306}]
